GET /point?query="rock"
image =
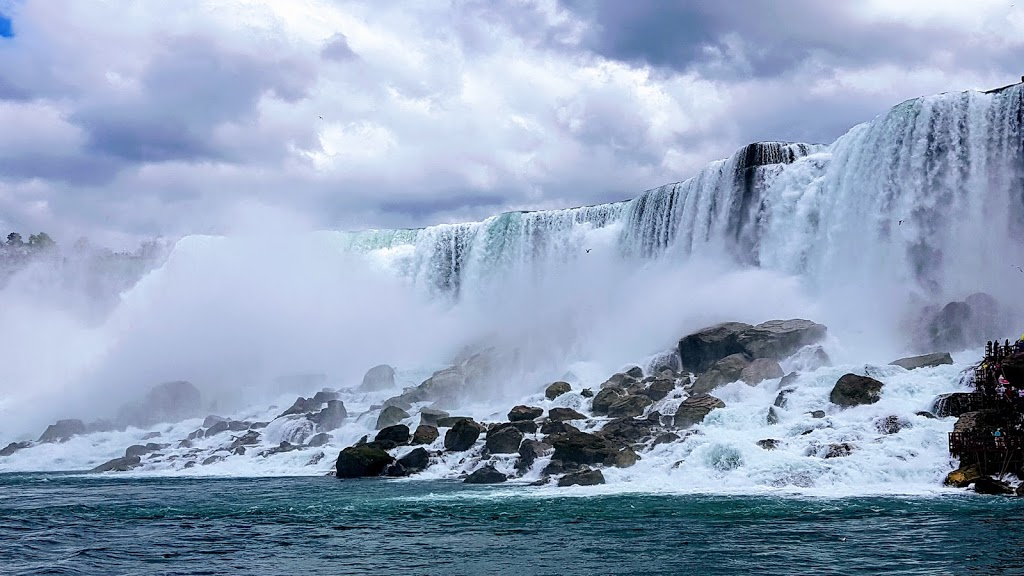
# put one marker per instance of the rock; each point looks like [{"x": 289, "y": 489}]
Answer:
[
  {"x": 321, "y": 439},
  {"x": 524, "y": 426},
  {"x": 486, "y": 475},
  {"x": 562, "y": 414},
  {"x": 213, "y": 459},
  {"x": 761, "y": 369},
  {"x": 582, "y": 478},
  {"x": 891, "y": 424},
  {"x": 854, "y": 390},
  {"x": 698, "y": 351},
  {"x": 769, "y": 443},
  {"x": 210, "y": 420},
  {"x": 788, "y": 379},
  {"x": 119, "y": 464},
  {"x": 665, "y": 438},
  {"x": 397, "y": 435},
  {"x": 604, "y": 400},
  {"x": 618, "y": 380},
  {"x": 925, "y": 414},
  {"x": 399, "y": 402},
  {"x": 450, "y": 421},
  {"x": 956, "y": 403},
  {"x": 425, "y": 434},
  {"x": 628, "y": 430},
  {"x": 778, "y": 339},
  {"x": 185, "y": 444},
  {"x": 250, "y": 438},
  {"x": 196, "y": 434},
  {"x": 431, "y": 416},
  {"x": 14, "y": 447},
  {"x": 217, "y": 428},
  {"x": 62, "y": 430},
  {"x": 635, "y": 372},
  {"x": 415, "y": 461},
  {"x": 331, "y": 417},
  {"x": 462, "y": 435},
  {"x": 960, "y": 324},
  {"x": 315, "y": 459},
  {"x": 281, "y": 448},
  {"x": 726, "y": 370},
  {"x": 324, "y": 396},
  {"x": 520, "y": 413},
  {"x": 151, "y": 435},
  {"x": 390, "y": 416},
  {"x": 362, "y": 461},
  {"x": 582, "y": 448},
  {"x": 817, "y": 413},
  {"x": 659, "y": 389},
  {"x": 773, "y": 417},
  {"x": 780, "y": 399},
  {"x": 258, "y": 425},
  {"x": 505, "y": 441},
  {"x": 380, "y": 377},
  {"x": 695, "y": 408},
  {"x": 840, "y": 450},
  {"x": 552, "y": 427},
  {"x": 925, "y": 361},
  {"x": 962, "y": 477},
  {"x": 991, "y": 486},
  {"x": 529, "y": 451},
  {"x": 629, "y": 406},
  {"x": 166, "y": 402},
  {"x": 587, "y": 393},
  {"x": 141, "y": 450},
  {"x": 557, "y": 389}
]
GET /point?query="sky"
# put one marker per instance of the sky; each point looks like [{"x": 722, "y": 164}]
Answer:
[{"x": 122, "y": 119}]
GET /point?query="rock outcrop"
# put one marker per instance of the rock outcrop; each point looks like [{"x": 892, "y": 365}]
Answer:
[
  {"x": 775, "y": 339},
  {"x": 581, "y": 448},
  {"x": 724, "y": 371},
  {"x": 62, "y": 430},
  {"x": 119, "y": 464}
]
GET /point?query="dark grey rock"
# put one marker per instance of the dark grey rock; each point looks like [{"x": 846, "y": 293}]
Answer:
[
  {"x": 891, "y": 424},
  {"x": 925, "y": 361},
  {"x": 557, "y": 389},
  {"x": 761, "y": 369},
  {"x": 582, "y": 478},
  {"x": 629, "y": 406},
  {"x": 604, "y": 400},
  {"x": 635, "y": 372},
  {"x": 62, "y": 430},
  {"x": 397, "y": 435},
  {"x": 769, "y": 443},
  {"x": 462, "y": 435},
  {"x": 726, "y": 370},
  {"x": 773, "y": 416},
  {"x": 425, "y": 434},
  {"x": 529, "y": 451},
  {"x": 780, "y": 399},
  {"x": 817, "y": 414},
  {"x": 390, "y": 416},
  {"x": 449, "y": 421},
  {"x": 210, "y": 420},
  {"x": 659, "y": 389},
  {"x": 563, "y": 414},
  {"x": 486, "y": 475},
  {"x": 321, "y": 439},
  {"x": 14, "y": 447},
  {"x": 416, "y": 460},
  {"x": 582, "y": 448},
  {"x": 505, "y": 440},
  {"x": 956, "y": 403},
  {"x": 431, "y": 416},
  {"x": 840, "y": 450},
  {"x": 362, "y": 461},
  {"x": 698, "y": 351},
  {"x": 854, "y": 390},
  {"x": 520, "y": 413},
  {"x": 693, "y": 410},
  {"x": 119, "y": 464},
  {"x": 380, "y": 377}
]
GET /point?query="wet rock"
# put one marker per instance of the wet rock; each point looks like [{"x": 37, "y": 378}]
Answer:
[
  {"x": 778, "y": 339},
  {"x": 529, "y": 451},
  {"x": 151, "y": 435},
  {"x": 698, "y": 351},
  {"x": 628, "y": 430},
  {"x": 250, "y": 438},
  {"x": 788, "y": 379},
  {"x": 425, "y": 434},
  {"x": 504, "y": 441},
  {"x": 449, "y": 421},
  {"x": 62, "y": 431},
  {"x": 213, "y": 459},
  {"x": 853, "y": 390},
  {"x": 217, "y": 428},
  {"x": 326, "y": 395},
  {"x": 397, "y": 435},
  {"x": 925, "y": 361},
  {"x": 557, "y": 389},
  {"x": 321, "y": 439},
  {"x": 300, "y": 406},
  {"x": 960, "y": 324},
  {"x": 962, "y": 477},
  {"x": 142, "y": 450},
  {"x": 166, "y": 402},
  {"x": 582, "y": 448},
  {"x": 773, "y": 416},
  {"x": 185, "y": 444},
  {"x": 524, "y": 426},
  {"x": 619, "y": 380},
  {"x": 925, "y": 414},
  {"x": 562, "y": 414},
  {"x": 431, "y": 416},
  {"x": 210, "y": 420},
  {"x": 281, "y": 448},
  {"x": 14, "y": 447},
  {"x": 761, "y": 369},
  {"x": 839, "y": 450},
  {"x": 190, "y": 464},
  {"x": 769, "y": 443},
  {"x": 486, "y": 475},
  {"x": 891, "y": 424},
  {"x": 604, "y": 400},
  {"x": 520, "y": 413},
  {"x": 659, "y": 389},
  {"x": 629, "y": 406},
  {"x": 780, "y": 399},
  {"x": 258, "y": 425},
  {"x": 587, "y": 393},
  {"x": 635, "y": 372},
  {"x": 991, "y": 486},
  {"x": 726, "y": 370},
  {"x": 315, "y": 459},
  {"x": 462, "y": 435},
  {"x": 380, "y": 377},
  {"x": 119, "y": 464},
  {"x": 666, "y": 438},
  {"x": 331, "y": 417},
  {"x": 237, "y": 426},
  {"x": 362, "y": 461},
  {"x": 415, "y": 461},
  {"x": 955, "y": 404},
  {"x": 390, "y": 416},
  {"x": 817, "y": 413},
  {"x": 552, "y": 427},
  {"x": 196, "y": 434},
  {"x": 582, "y": 478},
  {"x": 399, "y": 402},
  {"x": 695, "y": 408}
]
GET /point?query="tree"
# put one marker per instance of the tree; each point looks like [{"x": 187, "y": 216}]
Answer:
[
  {"x": 41, "y": 240},
  {"x": 14, "y": 239}
]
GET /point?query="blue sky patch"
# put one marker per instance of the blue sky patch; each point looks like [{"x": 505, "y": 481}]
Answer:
[{"x": 5, "y": 27}]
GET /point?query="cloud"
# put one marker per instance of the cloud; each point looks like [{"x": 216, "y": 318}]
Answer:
[{"x": 126, "y": 118}]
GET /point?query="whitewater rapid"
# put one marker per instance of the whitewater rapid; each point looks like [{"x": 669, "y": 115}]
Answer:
[{"x": 923, "y": 205}]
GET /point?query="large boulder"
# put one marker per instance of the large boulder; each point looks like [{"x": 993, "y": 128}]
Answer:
[
  {"x": 925, "y": 361},
  {"x": 586, "y": 477},
  {"x": 659, "y": 389},
  {"x": 462, "y": 435},
  {"x": 962, "y": 477},
  {"x": 390, "y": 416},
  {"x": 62, "y": 430},
  {"x": 123, "y": 464},
  {"x": 629, "y": 406},
  {"x": 415, "y": 461},
  {"x": 396, "y": 435},
  {"x": 700, "y": 350},
  {"x": 853, "y": 390},
  {"x": 378, "y": 378},
  {"x": 431, "y": 416},
  {"x": 562, "y": 414},
  {"x": 693, "y": 410},
  {"x": 557, "y": 389},
  {"x": 361, "y": 461},
  {"x": 425, "y": 434},
  {"x": 529, "y": 451},
  {"x": 167, "y": 402},
  {"x": 628, "y": 430},
  {"x": 761, "y": 369},
  {"x": 504, "y": 441},
  {"x": 331, "y": 417},
  {"x": 604, "y": 399},
  {"x": 486, "y": 475},
  {"x": 778, "y": 339},
  {"x": 724, "y": 371},
  {"x": 582, "y": 448},
  {"x": 521, "y": 413}
]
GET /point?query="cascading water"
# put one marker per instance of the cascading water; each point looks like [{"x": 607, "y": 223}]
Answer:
[{"x": 921, "y": 205}]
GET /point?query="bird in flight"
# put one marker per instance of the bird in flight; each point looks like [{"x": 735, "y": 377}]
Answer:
[
  {"x": 900, "y": 223},
  {"x": 1017, "y": 267},
  {"x": 321, "y": 117},
  {"x": 588, "y": 250}
]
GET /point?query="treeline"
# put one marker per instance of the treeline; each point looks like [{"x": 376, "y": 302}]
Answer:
[{"x": 38, "y": 241}]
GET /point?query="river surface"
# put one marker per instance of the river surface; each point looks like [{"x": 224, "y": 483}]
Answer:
[{"x": 73, "y": 524}]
